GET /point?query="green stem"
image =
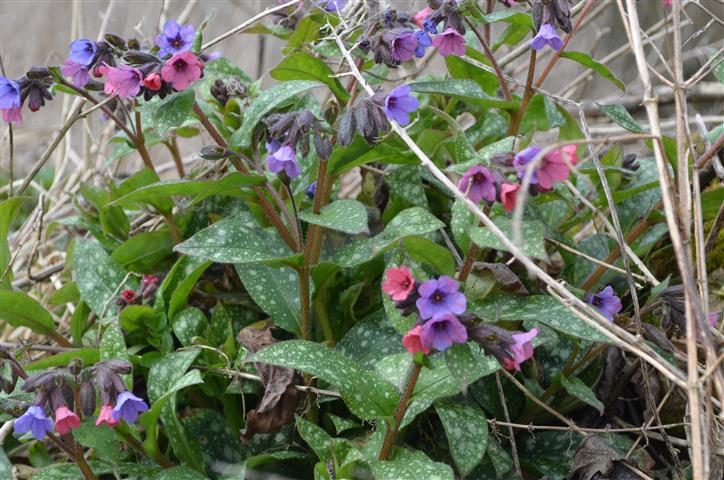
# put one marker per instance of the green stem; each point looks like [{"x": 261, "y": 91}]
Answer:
[
  {"x": 173, "y": 227},
  {"x": 392, "y": 430}
]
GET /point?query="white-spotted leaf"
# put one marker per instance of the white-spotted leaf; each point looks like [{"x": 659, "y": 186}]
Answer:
[
  {"x": 348, "y": 216},
  {"x": 467, "y": 432}
]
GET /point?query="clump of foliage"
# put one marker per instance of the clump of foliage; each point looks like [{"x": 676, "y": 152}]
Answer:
[{"x": 465, "y": 312}]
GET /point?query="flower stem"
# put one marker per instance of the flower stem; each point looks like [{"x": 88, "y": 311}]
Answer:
[
  {"x": 389, "y": 441},
  {"x": 527, "y": 95},
  {"x": 76, "y": 453},
  {"x": 141, "y": 144},
  {"x": 173, "y": 228},
  {"x": 491, "y": 57},
  {"x": 470, "y": 258}
]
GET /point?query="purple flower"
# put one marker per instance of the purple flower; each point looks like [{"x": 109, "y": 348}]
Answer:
[
  {"x": 181, "y": 70},
  {"x": 334, "y": 5},
  {"x": 450, "y": 42},
  {"x": 521, "y": 161},
  {"x": 123, "y": 81},
  {"x": 284, "y": 159},
  {"x": 430, "y": 25},
  {"x": 9, "y": 94},
  {"x": 423, "y": 41},
  {"x": 175, "y": 38},
  {"x": 83, "y": 51},
  {"x": 311, "y": 190},
  {"x": 605, "y": 302},
  {"x": 404, "y": 46},
  {"x": 441, "y": 332},
  {"x": 399, "y": 104},
  {"x": 78, "y": 72},
  {"x": 480, "y": 182},
  {"x": 128, "y": 406},
  {"x": 547, "y": 35},
  {"x": 521, "y": 349},
  {"x": 440, "y": 297},
  {"x": 35, "y": 421}
]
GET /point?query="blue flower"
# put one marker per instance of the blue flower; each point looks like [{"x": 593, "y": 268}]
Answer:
[
  {"x": 35, "y": 421},
  {"x": 399, "y": 104},
  {"x": 175, "y": 38},
  {"x": 423, "y": 41},
  {"x": 605, "y": 302},
  {"x": 83, "y": 51},
  {"x": 9, "y": 94},
  {"x": 404, "y": 46},
  {"x": 440, "y": 297},
  {"x": 128, "y": 406},
  {"x": 429, "y": 25},
  {"x": 284, "y": 159},
  {"x": 547, "y": 35},
  {"x": 334, "y": 5},
  {"x": 441, "y": 332},
  {"x": 311, "y": 190}
]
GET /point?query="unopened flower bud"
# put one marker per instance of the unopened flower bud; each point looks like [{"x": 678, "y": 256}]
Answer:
[{"x": 87, "y": 397}]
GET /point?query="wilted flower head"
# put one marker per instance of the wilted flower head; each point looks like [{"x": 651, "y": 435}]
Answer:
[
  {"x": 9, "y": 94},
  {"x": 35, "y": 421},
  {"x": 35, "y": 88},
  {"x": 175, "y": 38},
  {"x": 128, "y": 407},
  {"x": 399, "y": 104},
  {"x": 449, "y": 42},
  {"x": 479, "y": 184},
  {"x": 404, "y": 46},
  {"x": 284, "y": 159},
  {"x": 547, "y": 35},
  {"x": 181, "y": 70},
  {"x": 123, "y": 81},
  {"x": 77, "y": 71},
  {"x": 439, "y": 297},
  {"x": 83, "y": 51},
  {"x": 413, "y": 342},
  {"x": 399, "y": 283},
  {"x": 605, "y": 302},
  {"x": 442, "y": 332}
]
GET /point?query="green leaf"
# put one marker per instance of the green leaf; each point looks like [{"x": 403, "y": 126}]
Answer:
[
  {"x": 237, "y": 239},
  {"x": 68, "y": 293},
  {"x": 231, "y": 184},
  {"x": 264, "y": 103},
  {"x": 390, "y": 151},
  {"x": 172, "y": 111},
  {"x": 179, "y": 473},
  {"x": 366, "y": 394},
  {"x": 276, "y": 291},
  {"x": 137, "y": 182},
  {"x": 407, "y": 469},
  {"x": 484, "y": 155},
  {"x": 510, "y": 16},
  {"x": 8, "y": 210},
  {"x": 540, "y": 308},
  {"x": 348, "y": 216},
  {"x": 113, "y": 345},
  {"x": 621, "y": 117},
  {"x": 370, "y": 341},
  {"x": 88, "y": 356},
  {"x": 405, "y": 183},
  {"x": 179, "y": 282},
  {"x": 143, "y": 251},
  {"x": 426, "y": 251},
  {"x": 718, "y": 69},
  {"x": 587, "y": 61},
  {"x": 189, "y": 323},
  {"x": 302, "y": 66},
  {"x": 464, "y": 89},
  {"x": 165, "y": 378},
  {"x": 460, "y": 223},
  {"x": 319, "y": 440},
  {"x": 21, "y": 310},
  {"x": 467, "y": 432},
  {"x": 342, "y": 424},
  {"x": 532, "y": 234},
  {"x": 499, "y": 457},
  {"x": 100, "y": 279},
  {"x": 581, "y": 391},
  {"x": 102, "y": 440},
  {"x": 466, "y": 363},
  {"x": 221, "y": 448},
  {"x": 413, "y": 221}
]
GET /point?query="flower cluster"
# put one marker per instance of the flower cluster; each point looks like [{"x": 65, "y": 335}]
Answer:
[
  {"x": 482, "y": 183},
  {"x": 33, "y": 87},
  {"x": 146, "y": 292},
  {"x": 545, "y": 15},
  {"x": 443, "y": 321},
  {"x": 54, "y": 389},
  {"x": 169, "y": 66},
  {"x": 286, "y": 131}
]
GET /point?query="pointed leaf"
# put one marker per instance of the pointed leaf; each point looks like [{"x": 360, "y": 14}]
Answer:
[
  {"x": 348, "y": 216},
  {"x": 467, "y": 432}
]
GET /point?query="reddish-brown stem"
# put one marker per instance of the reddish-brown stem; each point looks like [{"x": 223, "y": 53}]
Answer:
[
  {"x": 76, "y": 454},
  {"x": 236, "y": 161},
  {"x": 141, "y": 144},
  {"x": 710, "y": 152},
  {"x": 493, "y": 62},
  {"x": 527, "y": 95},
  {"x": 470, "y": 258},
  {"x": 392, "y": 430},
  {"x": 172, "y": 145},
  {"x": 486, "y": 28}
]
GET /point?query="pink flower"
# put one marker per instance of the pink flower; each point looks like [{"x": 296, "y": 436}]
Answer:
[
  {"x": 78, "y": 72},
  {"x": 123, "y": 81},
  {"x": 182, "y": 69},
  {"x": 412, "y": 341},
  {"x": 152, "y": 82},
  {"x": 521, "y": 350},
  {"x": 399, "y": 283},
  {"x": 668, "y": 3},
  {"x": 65, "y": 420},
  {"x": 420, "y": 16},
  {"x": 508, "y": 195},
  {"x": 713, "y": 319},
  {"x": 555, "y": 167},
  {"x": 106, "y": 417},
  {"x": 13, "y": 114},
  {"x": 449, "y": 42}
]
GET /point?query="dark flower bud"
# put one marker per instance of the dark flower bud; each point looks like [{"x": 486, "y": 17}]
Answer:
[
  {"x": 44, "y": 380},
  {"x": 235, "y": 88},
  {"x": 121, "y": 367},
  {"x": 75, "y": 366},
  {"x": 322, "y": 146},
  {"x": 331, "y": 112},
  {"x": 630, "y": 162},
  {"x": 537, "y": 11},
  {"x": 345, "y": 128},
  {"x": 116, "y": 41},
  {"x": 38, "y": 73},
  {"x": 149, "y": 285},
  {"x": 382, "y": 47},
  {"x": 219, "y": 92},
  {"x": 364, "y": 43},
  {"x": 214, "y": 152},
  {"x": 562, "y": 14},
  {"x": 133, "y": 44},
  {"x": 455, "y": 21},
  {"x": 87, "y": 396}
]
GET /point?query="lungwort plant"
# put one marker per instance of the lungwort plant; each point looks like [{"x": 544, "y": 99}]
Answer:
[{"x": 405, "y": 257}]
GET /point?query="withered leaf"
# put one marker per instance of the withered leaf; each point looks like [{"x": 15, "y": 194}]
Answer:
[
  {"x": 279, "y": 401},
  {"x": 593, "y": 457}
]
